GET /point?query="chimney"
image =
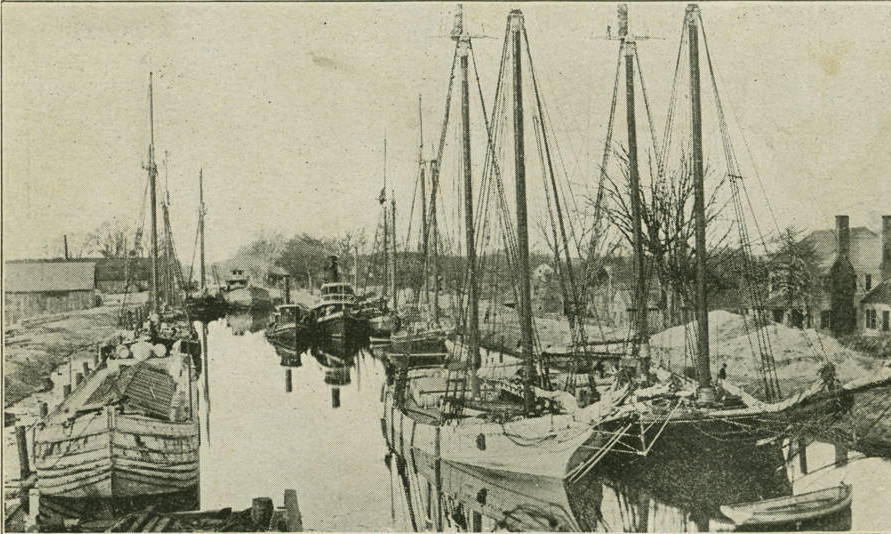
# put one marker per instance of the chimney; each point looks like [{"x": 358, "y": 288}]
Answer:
[
  {"x": 843, "y": 232},
  {"x": 886, "y": 247}
]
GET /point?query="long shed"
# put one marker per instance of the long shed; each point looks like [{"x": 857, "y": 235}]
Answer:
[{"x": 36, "y": 288}]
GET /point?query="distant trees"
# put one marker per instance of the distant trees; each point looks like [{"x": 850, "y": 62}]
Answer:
[{"x": 110, "y": 239}]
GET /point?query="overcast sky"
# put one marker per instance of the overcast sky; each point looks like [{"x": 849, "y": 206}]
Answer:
[{"x": 285, "y": 106}]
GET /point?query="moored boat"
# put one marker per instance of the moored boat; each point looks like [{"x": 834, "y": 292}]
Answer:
[
  {"x": 239, "y": 293},
  {"x": 335, "y": 315},
  {"x": 126, "y": 431},
  {"x": 790, "y": 510}
]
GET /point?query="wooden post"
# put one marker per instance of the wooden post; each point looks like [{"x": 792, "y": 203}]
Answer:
[
  {"x": 44, "y": 410},
  {"x": 293, "y": 520},
  {"x": 78, "y": 378},
  {"x": 335, "y": 397},
  {"x": 97, "y": 356},
  {"x": 261, "y": 512},
  {"x": 66, "y": 390},
  {"x": 21, "y": 440},
  {"x": 289, "y": 385},
  {"x": 437, "y": 475},
  {"x": 86, "y": 367},
  {"x": 476, "y": 524},
  {"x": 802, "y": 456}
]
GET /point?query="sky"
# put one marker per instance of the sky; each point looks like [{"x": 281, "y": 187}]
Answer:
[{"x": 285, "y": 107}]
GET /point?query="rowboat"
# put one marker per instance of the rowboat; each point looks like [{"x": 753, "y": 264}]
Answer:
[
  {"x": 126, "y": 431},
  {"x": 790, "y": 509}
]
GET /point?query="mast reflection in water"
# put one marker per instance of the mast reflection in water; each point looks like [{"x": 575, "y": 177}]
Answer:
[{"x": 328, "y": 446}]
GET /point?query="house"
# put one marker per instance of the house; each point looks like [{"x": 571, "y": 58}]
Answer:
[
  {"x": 849, "y": 265},
  {"x": 876, "y": 304},
  {"x": 877, "y": 310},
  {"x": 33, "y": 288}
]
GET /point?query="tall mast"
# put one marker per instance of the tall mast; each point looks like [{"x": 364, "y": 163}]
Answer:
[
  {"x": 153, "y": 177},
  {"x": 423, "y": 180},
  {"x": 703, "y": 368},
  {"x": 640, "y": 292},
  {"x": 516, "y": 29},
  {"x": 434, "y": 243},
  {"x": 383, "y": 200},
  {"x": 393, "y": 252},
  {"x": 472, "y": 325},
  {"x": 201, "y": 221}
]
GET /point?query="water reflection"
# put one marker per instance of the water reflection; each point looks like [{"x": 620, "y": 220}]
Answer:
[
  {"x": 247, "y": 321},
  {"x": 320, "y": 434}
]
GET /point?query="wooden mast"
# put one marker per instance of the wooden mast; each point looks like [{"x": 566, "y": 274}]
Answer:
[
  {"x": 703, "y": 369},
  {"x": 201, "y": 222},
  {"x": 516, "y": 29},
  {"x": 153, "y": 176},
  {"x": 386, "y": 248},
  {"x": 640, "y": 293},
  {"x": 472, "y": 326},
  {"x": 393, "y": 252},
  {"x": 434, "y": 241},
  {"x": 423, "y": 180}
]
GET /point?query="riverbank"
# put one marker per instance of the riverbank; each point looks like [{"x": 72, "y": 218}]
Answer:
[{"x": 33, "y": 350}]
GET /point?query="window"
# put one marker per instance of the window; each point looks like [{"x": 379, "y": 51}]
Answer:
[
  {"x": 871, "y": 319},
  {"x": 868, "y": 282}
]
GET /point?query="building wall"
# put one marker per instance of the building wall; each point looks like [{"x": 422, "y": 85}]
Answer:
[
  {"x": 20, "y": 306},
  {"x": 119, "y": 286},
  {"x": 883, "y": 318}
]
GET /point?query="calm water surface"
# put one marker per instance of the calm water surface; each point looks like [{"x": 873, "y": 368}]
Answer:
[{"x": 323, "y": 438}]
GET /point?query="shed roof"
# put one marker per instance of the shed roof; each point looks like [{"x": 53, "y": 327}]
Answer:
[
  {"x": 881, "y": 294},
  {"x": 36, "y": 277}
]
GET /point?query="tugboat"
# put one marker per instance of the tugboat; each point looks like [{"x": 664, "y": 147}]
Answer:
[
  {"x": 239, "y": 293},
  {"x": 336, "y": 311}
]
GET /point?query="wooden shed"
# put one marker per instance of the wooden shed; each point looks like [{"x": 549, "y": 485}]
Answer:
[{"x": 36, "y": 288}]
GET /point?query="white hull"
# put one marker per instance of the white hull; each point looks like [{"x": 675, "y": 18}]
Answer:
[{"x": 539, "y": 446}]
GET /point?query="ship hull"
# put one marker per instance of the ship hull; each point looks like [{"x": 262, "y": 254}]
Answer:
[
  {"x": 540, "y": 446},
  {"x": 248, "y": 298},
  {"x": 339, "y": 325},
  {"x": 111, "y": 455}
]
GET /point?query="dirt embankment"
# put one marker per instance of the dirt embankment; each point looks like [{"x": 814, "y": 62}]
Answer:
[
  {"x": 31, "y": 351},
  {"x": 734, "y": 340}
]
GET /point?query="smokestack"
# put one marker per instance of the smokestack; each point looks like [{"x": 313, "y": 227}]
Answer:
[
  {"x": 65, "y": 238},
  {"x": 886, "y": 247},
  {"x": 843, "y": 232}
]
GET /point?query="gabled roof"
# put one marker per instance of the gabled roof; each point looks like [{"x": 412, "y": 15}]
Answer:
[
  {"x": 36, "y": 277},
  {"x": 866, "y": 248},
  {"x": 881, "y": 294}
]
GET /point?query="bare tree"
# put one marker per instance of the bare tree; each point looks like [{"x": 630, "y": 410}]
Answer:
[{"x": 667, "y": 223}]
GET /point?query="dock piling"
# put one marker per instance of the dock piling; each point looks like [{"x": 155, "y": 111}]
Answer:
[
  {"x": 261, "y": 512},
  {"x": 293, "y": 519},
  {"x": 44, "y": 410},
  {"x": 78, "y": 378},
  {"x": 86, "y": 368},
  {"x": 21, "y": 440},
  {"x": 66, "y": 390}
]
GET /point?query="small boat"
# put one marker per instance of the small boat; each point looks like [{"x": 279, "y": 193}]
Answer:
[
  {"x": 335, "y": 315},
  {"x": 791, "y": 509},
  {"x": 239, "y": 293}
]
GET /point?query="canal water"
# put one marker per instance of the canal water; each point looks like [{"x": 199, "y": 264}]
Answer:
[{"x": 312, "y": 423}]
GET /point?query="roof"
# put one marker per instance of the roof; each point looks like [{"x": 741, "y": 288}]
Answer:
[
  {"x": 881, "y": 294},
  {"x": 36, "y": 277},
  {"x": 116, "y": 269},
  {"x": 866, "y": 248},
  {"x": 142, "y": 387}
]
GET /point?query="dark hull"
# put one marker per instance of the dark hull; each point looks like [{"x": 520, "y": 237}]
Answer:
[
  {"x": 206, "y": 308},
  {"x": 340, "y": 327}
]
